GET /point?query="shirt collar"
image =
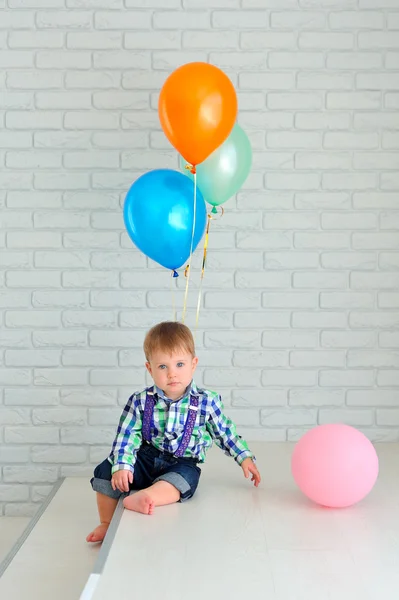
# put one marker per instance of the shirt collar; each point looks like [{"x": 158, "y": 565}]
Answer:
[{"x": 191, "y": 390}]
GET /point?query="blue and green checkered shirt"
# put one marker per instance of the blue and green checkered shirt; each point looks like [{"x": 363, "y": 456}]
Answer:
[{"x": 167, "y": 428}]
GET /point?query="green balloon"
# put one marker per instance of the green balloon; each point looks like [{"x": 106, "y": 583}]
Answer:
[{"x": 223, "y": 173}]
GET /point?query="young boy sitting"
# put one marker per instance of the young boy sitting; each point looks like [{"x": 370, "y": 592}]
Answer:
[{"x": 164, "y": 432}]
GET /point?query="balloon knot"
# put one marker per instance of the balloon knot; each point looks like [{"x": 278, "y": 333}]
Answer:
[
  {"x": 214, "y": 210},
  {"x": 193, "y": 170},
  {"x": 175, "y": 273}
]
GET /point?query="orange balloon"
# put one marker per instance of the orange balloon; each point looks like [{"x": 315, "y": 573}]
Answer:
[{"x": 197, "y": 109}]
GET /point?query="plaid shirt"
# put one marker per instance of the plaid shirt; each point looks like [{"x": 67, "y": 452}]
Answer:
[{"x": 168, "y": 425}]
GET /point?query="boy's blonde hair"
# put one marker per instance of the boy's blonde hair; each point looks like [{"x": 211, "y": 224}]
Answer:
[{"x": 170, "y": 337}]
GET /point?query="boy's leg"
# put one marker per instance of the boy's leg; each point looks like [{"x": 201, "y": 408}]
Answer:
[
  {"x": 106, "y": 508},
  {"x": 158, "y": 494},
  {"x": 177, "y": 482}
]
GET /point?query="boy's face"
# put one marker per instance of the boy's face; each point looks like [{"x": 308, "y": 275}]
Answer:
[{"x": 172, "y": 373}]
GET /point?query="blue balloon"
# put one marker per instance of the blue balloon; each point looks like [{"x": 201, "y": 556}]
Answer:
[{"x": 158, "y": 214}]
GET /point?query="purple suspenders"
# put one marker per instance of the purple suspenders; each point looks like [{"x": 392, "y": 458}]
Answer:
[{"x": 188, "y": 427}]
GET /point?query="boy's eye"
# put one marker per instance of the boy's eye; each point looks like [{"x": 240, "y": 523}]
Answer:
[
  {"x": 162, "y": 366},
  {"x": 180, "y": 364}
]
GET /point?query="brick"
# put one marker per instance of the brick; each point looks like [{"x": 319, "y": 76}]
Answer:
[
  {"x": 347, "y": 378},
  {"x": 52, "y": 19},
  {"x": 373, "y": 398},
  {"x": 375, "y": 241},
  {"x": 59, "y": 416},
  {"x": 22, "y": 279},
  {"x": 59, "y": 377},
  {"x": 389, "y": 261},
  {"x": 62, "y": 299},
  {"x": 323, "y": 160},
  {"x": 231, "y": 377},
  {"x": 117, "y": 299},
  {"x": 391, "y": 100},
  {"x": 31, "y": 397},
  {"x": 260, "y": 358},
  {"x": 15, "y": 180},
  {"x": 33, "y": 120},
  {"x": 121, "y": 100},
  {"x": 120, "y": 140},
  {"x": 374, "y": 160},
  {"x": 286, "y": 418},
  {"x": 43, "y": 239},
  {"x": 173, "y": 59},
  {"x": 90, "y": 318},
  {"x": 369, "y": 358},
  {"x": 268, "y": 120},
  {"x": 16, "y": 59},
  {"x": 31, "y": 475},
  {"x": 266, "y": 241},
  {"x": 322, "y": 121},
  {"x": 62, "y": 140},
  {"x": 15, "y": 139},
  {"x": 388, "y": 300},
  {"x": 92, "y": 240},
  {"x": 299, "y": 60},
  {"x": 347, "y": 416},
  {"x": 349, "y": 181},
  {"x": 242, "y": 19},
  {"x": 389, "y": 339},
  {"x": 319, "y": 320},
  {"x": 353, "y": 100},
  {"x": 14, "y": 454},
  {"x": 291, "y": 260},
  {"x": 262, "y": 81},
  {"x": 14, "y": 339},
  {"x": 33, "y": 160},
  {"x": 389, "y": 220},
  {"x": 15, "y": 260},
  {"x": 392, "y": 60},
  {"x": 354, "y": 60},
  {"x": 139, "y": 319},
  {"x": 61, "y": 260},
  {"x": 156, "y": 40},
  {"x": 348, "y": 260},
  {"x": 97, "y": 3},
  {"x": 239, "y": 60},
  {"x": 258, "y": 398},
  {"x": 223, "y": 339},
  {"x": 294, "y": 181},
  {"x": 91, "y": 120},
  {"x": 388, "y": 378},
  {"x": 365, "y": 281},
  {"x": 224, "y": 260},
  {"x": 385, "y": 120},
  {"x": 322, "y": 200},
  {"x": 94, "y": 160},
  {"x": 389, "y": 181},
  {"x": 320, "y": 280},
  {"x": 128, "y": 377},
  {"x": 368, "y": 320},
  {"x": 139, "y": 160},
  {"x": 15, "y": 377},
  {"x": 89, "y": 358},
  {"x": 295, "y": 20},
  {"x": 390, "y": 140},
  {"x": 288, "y": 378},
  {"x": 14, "y": 493},
  {"x": 317, "y": 358},
  {"x": 256, "y": 280},
  {"x": 347, "y": 220},
  {"x": 387, "y": 416},
  {"x": 314, "y": 80},
  {"x": 302, "y": 101},
  {"x": 210, "y": 39},
  {"x": 325, "y": 40},
  {"x": 104, "y": 416},
  {"x": 92, "y": 80},
  {"x": 90, "y": 279},
  {"x": 88, "y": 397},
  {"x": 112, "y": 339},
  {"x": 122, "y": 20},
  {"x": 184, "y": 20},
  {"x": 31, "y": 435},
  {"x": 356, "y": 20},
  {"x": 35, "y": 39},
  {"x": 378, "y": 39},
  {"x": 15, "y": 416},
  {"x": 17, "y": 19},
  {"x": 61, "y": 181},
  {"x": 293, "y": 139},
  {"x": 378, "y": 81},
  {"x": 32, "y": 358},
  {"x": 316, "y": 397}
]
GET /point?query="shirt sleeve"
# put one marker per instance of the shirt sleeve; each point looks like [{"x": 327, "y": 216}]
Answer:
[
  {"x": 128, "y": 436},
  {"x": 224, "y": 432}
]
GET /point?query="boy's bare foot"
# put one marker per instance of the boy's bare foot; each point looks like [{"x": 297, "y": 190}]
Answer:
[
  {"x": 98, "y": 534},
  {"x": 139, "y": 502}
]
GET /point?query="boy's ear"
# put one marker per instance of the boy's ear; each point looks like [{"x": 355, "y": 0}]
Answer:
[
  {"x": 195, "y": 362},
  {"x": 148, "y": 367}
]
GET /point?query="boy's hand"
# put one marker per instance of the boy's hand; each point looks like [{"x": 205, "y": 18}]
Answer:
[
  {"x": 248, "y": 466},
  {"x": 121, "y": 479}
]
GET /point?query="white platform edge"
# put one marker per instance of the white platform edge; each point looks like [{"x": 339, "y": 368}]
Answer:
[{"x": 90, "y": 586}]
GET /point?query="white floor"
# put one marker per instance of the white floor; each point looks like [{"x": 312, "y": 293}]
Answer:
[
  {"x": 10, "y": 530},
  {"x": 233, "y": 541}
]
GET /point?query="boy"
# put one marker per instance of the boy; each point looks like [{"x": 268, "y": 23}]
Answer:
[{"x": 164, "y": 432}]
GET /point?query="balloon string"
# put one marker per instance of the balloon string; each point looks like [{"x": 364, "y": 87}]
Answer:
[
  {"x": 172, "y": 289},
  {"x": 188, "y": 268},
  {"x": 203, "y": 269}
]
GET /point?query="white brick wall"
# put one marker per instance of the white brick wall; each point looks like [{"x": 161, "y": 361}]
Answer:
[{"x": 301, "y": 304}]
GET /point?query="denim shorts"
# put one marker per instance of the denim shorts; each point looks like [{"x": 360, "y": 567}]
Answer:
[{"x": 151, "y": 466}]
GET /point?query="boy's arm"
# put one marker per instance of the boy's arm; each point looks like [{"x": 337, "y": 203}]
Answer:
[
  {"x": 128, "y": 436},
  {"x": 224, "y": 432}
]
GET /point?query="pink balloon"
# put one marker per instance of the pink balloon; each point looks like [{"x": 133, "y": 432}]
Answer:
[{"x": 335, "y": 465}]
